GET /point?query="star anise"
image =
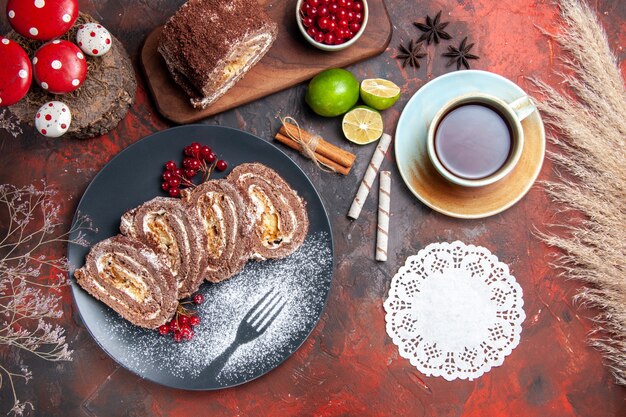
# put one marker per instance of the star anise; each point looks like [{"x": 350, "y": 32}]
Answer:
[
  {"x": 411, "y": 54},
  {"x": 433, "y": 29},
  {"x": 460, "y": 55}
]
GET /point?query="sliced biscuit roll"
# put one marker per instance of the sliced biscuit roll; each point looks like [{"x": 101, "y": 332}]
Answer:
[
  {"x": 280, "y": 218},
  {"x": 223, "y": 219},
  {"x": 132, "y": 279},
  {"x": 168, "y": 227}
]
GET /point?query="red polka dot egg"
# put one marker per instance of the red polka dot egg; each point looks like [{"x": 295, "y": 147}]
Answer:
[
  {"x": 59, "y": 67},
  {"x": 42, "y": 19},
  {"x": 93, "y": 39},
  {"x": 15, "y": 72},
  {"x": 53, "y": 119}
]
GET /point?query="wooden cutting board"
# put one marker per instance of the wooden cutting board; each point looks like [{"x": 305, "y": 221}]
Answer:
[{"x": 290, "y": 61}]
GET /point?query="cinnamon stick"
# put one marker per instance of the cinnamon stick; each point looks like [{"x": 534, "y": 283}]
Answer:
[
  {"x": 323, "y": 148},
  {"x": 321, "y": 158}
]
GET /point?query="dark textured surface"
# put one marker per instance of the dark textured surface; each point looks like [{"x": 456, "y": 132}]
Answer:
[{"x": 349, "y": 366}]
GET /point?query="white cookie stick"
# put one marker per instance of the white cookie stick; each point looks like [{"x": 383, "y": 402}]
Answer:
[
  {"x": 384, "y": 200},
  {"x": 370, "y": 174}
]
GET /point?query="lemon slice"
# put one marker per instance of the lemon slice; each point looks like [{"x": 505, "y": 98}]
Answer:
[
  {"x": 379, "y": 93},
  {"x": 362, "y": 125}
]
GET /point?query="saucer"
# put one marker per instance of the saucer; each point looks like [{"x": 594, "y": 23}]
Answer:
[{"x": 421, "y": 176}]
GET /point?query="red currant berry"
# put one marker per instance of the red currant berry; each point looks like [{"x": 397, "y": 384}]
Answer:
[
  {"x": 174, "y": 182},
  {"x": 332, "y": 17},
  {"x": 174, "y": 192},
  {"x": 173, "y": 325},
  {"x": 323, "y": 22},
  {"x": 205, "y": 151},
  {"x": 194, "y": 320},
  {"x": 342, "y": 14},
  {"x": 350, "y": 16},
  {"x": 325, "y": 2},
  {"x": 221, "y": 165},
  {"x": 355, "y": 27},
  {"x": 178, "y": 172},
  {"x": 314, "y": 3},
  {"x": 312, "y": 31},
  {"x": 165, "y": 186},
  {"x": 178, "y": 337},
  {"x": 341, "y": 3},
  {"x": 322, "y": 11},
  {"x": 164, "y": 329},
  {"x": 211, "y": 158},
  {"x": 193, "y": 150},
  {"x": 168, "y": 175},
  {"x": 306, "y": 8},
  {"x": 349, "y": 4},
  {"x": 189, "y": 335},
  {"x": 195, "y": 164},
  {"x": 357, "y": 6},
  {"x": 319, "y": 37},
  {"x": 343, "y": 24},
  {"x": 332, "y": 26},
  {"x": 334, "y": 8},
  {"x": 183, "y": 320},
  {"x": 190, "y": 173},
  {"x": 348, "y": 34},
  {"x": 187, "y": 151},
  {"x": 198, "y": 299},
  {"x": 185, "y": 328},
  {"x": 329, "y": 39},
  {"x": 313, "y": 12},
  {"x": 358, "y": 17},
  {"x": 308, "y": 21},
  {"x": 170, "y": 166}
]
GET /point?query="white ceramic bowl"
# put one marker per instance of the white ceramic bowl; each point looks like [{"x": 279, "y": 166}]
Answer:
[{"x": 331, "y": 48}]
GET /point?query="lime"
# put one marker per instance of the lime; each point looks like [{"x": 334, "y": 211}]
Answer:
[
  {"x": 362, "y": 125},
  {"x": 332, "y": 92},
  {"x": 379, "y": 93}
]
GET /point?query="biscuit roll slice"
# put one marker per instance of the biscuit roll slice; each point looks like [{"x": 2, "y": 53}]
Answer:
[
  {"x": 208, "y": 45},
  {"x": 132, "y": 279},
  {"x": 168, "y": 227},
  {"x": 280, "y": 217},
  {"x": 221, "y": 210}
]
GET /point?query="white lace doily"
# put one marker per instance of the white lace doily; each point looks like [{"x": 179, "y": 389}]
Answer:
[{"x": 454, "y": 311}]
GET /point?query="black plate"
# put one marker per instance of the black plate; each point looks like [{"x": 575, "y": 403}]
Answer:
[{"x": 304, "y": 278}]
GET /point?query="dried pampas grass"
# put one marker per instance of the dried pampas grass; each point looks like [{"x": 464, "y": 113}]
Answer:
[{"x": 590, "y": 129}]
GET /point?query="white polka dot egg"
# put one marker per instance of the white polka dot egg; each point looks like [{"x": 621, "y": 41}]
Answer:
[
  {"x": 93, "y": 39},
  {"x": 53, "y": 119}
]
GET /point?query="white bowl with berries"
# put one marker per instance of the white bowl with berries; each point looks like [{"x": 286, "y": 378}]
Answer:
[{"x": 332, "y": 25}]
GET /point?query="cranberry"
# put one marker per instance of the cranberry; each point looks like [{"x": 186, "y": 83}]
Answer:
[
  {"x": 329, "y": 39},
  {"x": 194, "y": 320},
  {"x": 323, "y": 22},
  {"x": 188, "y": 161},
  {"x": 190, "y": 173},
  {"x": 355, "y": 27},
  {"x": 174, "y": 182},
  {"x": 170, "y": 166},
  {"x": 164, "y": 329},
  {"x": 212, "y": 158},
  {"x": 178, "y": 337},
  {"x": 319, "y": 37},
  {"x": 165, "y": 186},
  {"x": 205, "y": 151},
  {"x": 178, "y": 172},
  {"x": 357, "y": 6},
  {"x": 173, "y": 325},
  {"x": 308, "y": 21},
  {"x": 221, "y": 164},
  {"x": 184, "y": 328},
  {"x": 174, "y": 192},
  {"x": 183, "y": 320},
  {"x": 343, "y": 24},
  {"x": 168, "y": 175},
  {"x": 189, "y": 335},
  {"x": 198, "y": 299}
]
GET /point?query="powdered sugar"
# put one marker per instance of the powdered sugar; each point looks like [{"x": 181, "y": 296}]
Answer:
[{"x": 303, "y": 279}]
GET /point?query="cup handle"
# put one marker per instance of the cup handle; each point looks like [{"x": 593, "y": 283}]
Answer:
[{"x": 523, "y": 107}]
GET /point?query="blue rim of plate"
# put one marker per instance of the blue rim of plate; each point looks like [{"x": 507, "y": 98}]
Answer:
[
  {"x": 500, "y": 87},
  {"x": 291, "y": 172}
]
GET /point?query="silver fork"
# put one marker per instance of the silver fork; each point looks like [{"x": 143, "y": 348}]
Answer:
[{"x": 256, "y": 321}]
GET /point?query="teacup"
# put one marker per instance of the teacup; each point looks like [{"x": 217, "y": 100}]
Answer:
[{"x": 477, "y": 139}]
